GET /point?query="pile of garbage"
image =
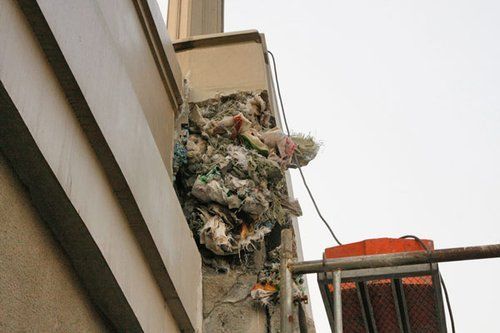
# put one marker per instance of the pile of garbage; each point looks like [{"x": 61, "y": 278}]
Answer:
[{"x": 229, "y": 166}]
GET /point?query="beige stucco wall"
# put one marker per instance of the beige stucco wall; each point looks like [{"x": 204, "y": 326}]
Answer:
[
  {"x": 223, "y": 67},
  {"x": 39, "y": 290}
]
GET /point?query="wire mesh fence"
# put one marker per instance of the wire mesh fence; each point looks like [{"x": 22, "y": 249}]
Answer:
[
  {"x": 352, "y": 313},
  {"x": 420, "y": 297},
  {"x": 389, "y": 303},
  {"x": 380, "y": 293}
]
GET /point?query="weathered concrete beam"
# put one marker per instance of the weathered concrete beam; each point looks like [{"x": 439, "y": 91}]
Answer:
[{"x": 56, "y": 209}]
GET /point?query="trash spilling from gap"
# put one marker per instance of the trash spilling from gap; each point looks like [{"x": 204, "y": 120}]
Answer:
[
  {"x": 266, "y": 292},
  {"x": 229, "y": 167}
]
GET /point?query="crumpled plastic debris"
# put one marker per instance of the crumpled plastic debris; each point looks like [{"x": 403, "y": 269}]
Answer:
[
  {"x": 214, "y": 234},
  {"x": 292, "y": 206},
  {"x": 265, "y": 291},
  {"x": 306, "y": 150},
  {"x": 208, "y": 189},
  {"x": 230, "y": 172}
]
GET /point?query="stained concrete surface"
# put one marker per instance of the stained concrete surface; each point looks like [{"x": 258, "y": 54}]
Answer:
[
  {"x": 39, "y": 290},
  {"x": 227, "y": 306}
]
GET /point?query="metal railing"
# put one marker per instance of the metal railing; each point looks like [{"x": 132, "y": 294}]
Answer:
[{"x": 395, "y": 265}]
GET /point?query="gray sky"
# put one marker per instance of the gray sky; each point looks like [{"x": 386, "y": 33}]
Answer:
[{"x": 405, "y": 96}]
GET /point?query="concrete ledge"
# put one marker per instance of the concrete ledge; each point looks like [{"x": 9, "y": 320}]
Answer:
[
  {"x": 223, "y": 63},
  {"x": 56, "y": 209},
  {"x": 87, "y": 66},
  {"x": 217, "y": 39}
]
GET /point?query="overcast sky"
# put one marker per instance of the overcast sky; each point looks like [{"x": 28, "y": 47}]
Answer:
[{"x": 405, "y": 96}]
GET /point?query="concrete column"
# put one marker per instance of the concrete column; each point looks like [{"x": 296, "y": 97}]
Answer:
[{"x": 195, "y": 17}]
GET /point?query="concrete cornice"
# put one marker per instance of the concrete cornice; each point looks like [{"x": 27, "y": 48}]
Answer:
[
  {"x": 110, "y": 114},
  {"x": 56, "y": 209},
  {"x": 217, "y": 39}
]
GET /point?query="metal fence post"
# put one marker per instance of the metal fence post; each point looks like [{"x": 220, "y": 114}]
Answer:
[
  {"x": 337, "y": 300},
  {"x": 286, "y": 301}
]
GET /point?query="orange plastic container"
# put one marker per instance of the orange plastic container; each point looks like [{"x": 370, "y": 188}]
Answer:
[
  {"x": 392, "y": 302},
  {"x": 377, "y": 246}
]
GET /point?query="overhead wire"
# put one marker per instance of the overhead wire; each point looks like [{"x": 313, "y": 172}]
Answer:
[
  {"x": 298, "y": 166},
  {"x": 285, "y": 121}
]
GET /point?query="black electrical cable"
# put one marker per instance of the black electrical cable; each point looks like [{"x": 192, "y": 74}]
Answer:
[
  {"x": 448, "y": 303},
  {"x": 298, "y": 166}
]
